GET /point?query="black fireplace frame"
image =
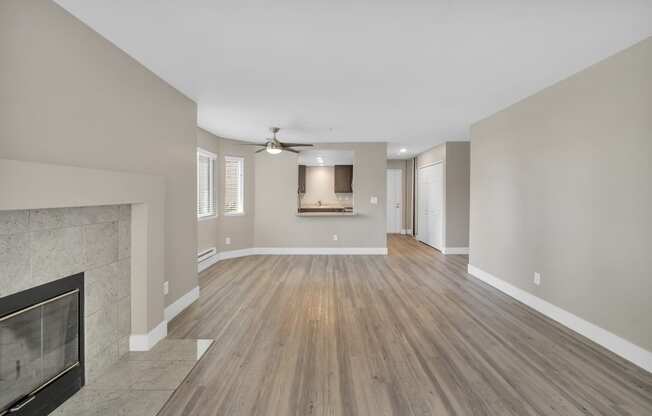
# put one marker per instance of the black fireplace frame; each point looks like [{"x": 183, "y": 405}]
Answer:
[{"x": 56, "y": 391}]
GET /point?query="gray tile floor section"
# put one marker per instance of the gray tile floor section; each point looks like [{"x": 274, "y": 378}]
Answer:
[{"x": 138, "y": 384}]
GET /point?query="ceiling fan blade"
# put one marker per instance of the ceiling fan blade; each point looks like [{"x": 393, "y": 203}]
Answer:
[
  {"x": 261, "y": 150},
  {"x": 295, "y": 144},
  {"x": 253, "y": 144},
  {"x": 290, "y": 150}
]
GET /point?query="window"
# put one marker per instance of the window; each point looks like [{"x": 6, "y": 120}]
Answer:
[
  {"x": 206, "y": 204},
  {"x": 233, "y": 185}
]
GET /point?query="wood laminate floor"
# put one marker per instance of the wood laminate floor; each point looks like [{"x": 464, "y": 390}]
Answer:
[{"x": 407, "y": 334}]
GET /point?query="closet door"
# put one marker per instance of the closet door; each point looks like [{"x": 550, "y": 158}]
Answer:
[
  {"x": 436, "y": 207},
  {"x": 430, "y": 205},
  {"x": 423, "y": 226}
]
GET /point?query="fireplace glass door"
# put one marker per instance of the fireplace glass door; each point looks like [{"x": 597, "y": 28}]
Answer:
[{"x": 38, "y": 344}]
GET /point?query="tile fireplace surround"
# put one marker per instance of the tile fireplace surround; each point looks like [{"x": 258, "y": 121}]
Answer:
[
  {"x": 56, "y": 220},
  {"x": 39, "y": 246}
]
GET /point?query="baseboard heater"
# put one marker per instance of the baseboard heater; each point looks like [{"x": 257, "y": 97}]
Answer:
[{"x": 206, "y": 254}]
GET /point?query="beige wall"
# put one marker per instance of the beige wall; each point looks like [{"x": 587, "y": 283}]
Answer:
[
  {"x": 455, "y": 157},
  {"x": 70, "y": 97},
  {"x": 409, "y": 203},
  {"x": 276, "y": 222},
  {"x": 560, "y": 184},
  {"x": 457, "y": 193},
  {"x": 240, "y": 228}
]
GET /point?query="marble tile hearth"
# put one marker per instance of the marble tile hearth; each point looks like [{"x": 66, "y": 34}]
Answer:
[{"x": 138, "y": 384}]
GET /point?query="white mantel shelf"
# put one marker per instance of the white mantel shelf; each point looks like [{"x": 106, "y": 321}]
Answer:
[{"x": 30, "y": 185}]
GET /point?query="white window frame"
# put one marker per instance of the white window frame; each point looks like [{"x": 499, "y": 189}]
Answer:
[
  {"x": 242, "y": 186},
  {"x": 212, "y": 185}
]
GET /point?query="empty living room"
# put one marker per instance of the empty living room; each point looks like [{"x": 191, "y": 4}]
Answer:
[{"x": 327, "y": 208}]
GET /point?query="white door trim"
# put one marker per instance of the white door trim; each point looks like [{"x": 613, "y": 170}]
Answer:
[{"x": 427, "y": 165}]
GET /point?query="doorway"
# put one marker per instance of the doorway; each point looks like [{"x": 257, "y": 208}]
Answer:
[
  {"x": 394, "y": 200},
  {"x": 430, "y": 193}
]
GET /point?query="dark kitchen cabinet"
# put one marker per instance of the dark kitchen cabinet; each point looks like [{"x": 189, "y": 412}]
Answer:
[
  {"x": 302, "y": 179},
  {"x": 343, "y": 179}
]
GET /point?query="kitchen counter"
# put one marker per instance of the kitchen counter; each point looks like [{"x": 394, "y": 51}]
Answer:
[
  {"x": 326, "y": 214},
  {"x": 325, "y": 209}
]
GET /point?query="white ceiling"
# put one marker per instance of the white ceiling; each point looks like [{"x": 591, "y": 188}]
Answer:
[
  {"x": 325, "y": 157},
  {"x": 412, "y": 73}
]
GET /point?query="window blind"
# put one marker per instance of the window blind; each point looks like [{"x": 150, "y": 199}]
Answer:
[
  {"x": 206, "y": 205},
  {"x": 233, "y": 185}
]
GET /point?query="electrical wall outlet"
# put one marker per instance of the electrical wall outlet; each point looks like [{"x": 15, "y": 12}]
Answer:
[
  {"x": 374, "y": 200},
  {"x": 166, "y": 288},
  {"x": 537, "y": 278},
  {"x": 227, "y": 240},
  {"x": 335, "y": 237}
]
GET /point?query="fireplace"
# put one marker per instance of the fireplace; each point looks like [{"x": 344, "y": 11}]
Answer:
[{"x": 41, "y": 346}]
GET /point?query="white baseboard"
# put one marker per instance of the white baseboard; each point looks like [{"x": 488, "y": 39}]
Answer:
[
  {"x": 288, "y": 251},
  {"x": 145, "y": 342},
  {"x": 608, "y": 340},
  {"x": 455, "y": 250},
  {"x": 342, "y": 251},
  {"x": 182, "y": 303},
  {"x": 237, "y": 253}
]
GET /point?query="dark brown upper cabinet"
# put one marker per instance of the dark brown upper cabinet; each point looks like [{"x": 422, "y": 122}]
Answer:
[
  {"x": 302, "y": 179},
  {"x": 343, "y": 179}
]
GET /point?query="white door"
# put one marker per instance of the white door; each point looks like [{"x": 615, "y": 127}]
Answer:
[
  {"x": 430, "y": 208},
  {"x": 394, "y": 200}
]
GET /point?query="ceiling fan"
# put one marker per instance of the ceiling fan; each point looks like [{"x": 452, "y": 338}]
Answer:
[{"x": 274, "y": 146}]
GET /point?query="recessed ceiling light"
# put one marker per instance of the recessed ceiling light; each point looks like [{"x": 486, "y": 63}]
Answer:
[{"x": 403, "y": 150}]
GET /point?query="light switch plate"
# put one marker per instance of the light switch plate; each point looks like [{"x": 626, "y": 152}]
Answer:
[
  {"x": 374, "y": 200},
  {"x": 166, "y": 288},
  {"x": 227, "y": 240},
  {"x": 537, "y": 278},
  {"x": 335, "y": 237}
]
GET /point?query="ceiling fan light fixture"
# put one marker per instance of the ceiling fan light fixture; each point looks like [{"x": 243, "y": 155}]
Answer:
[
  {"x": 272, "y": 149},
  {"x": 273, "y": 146}
]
